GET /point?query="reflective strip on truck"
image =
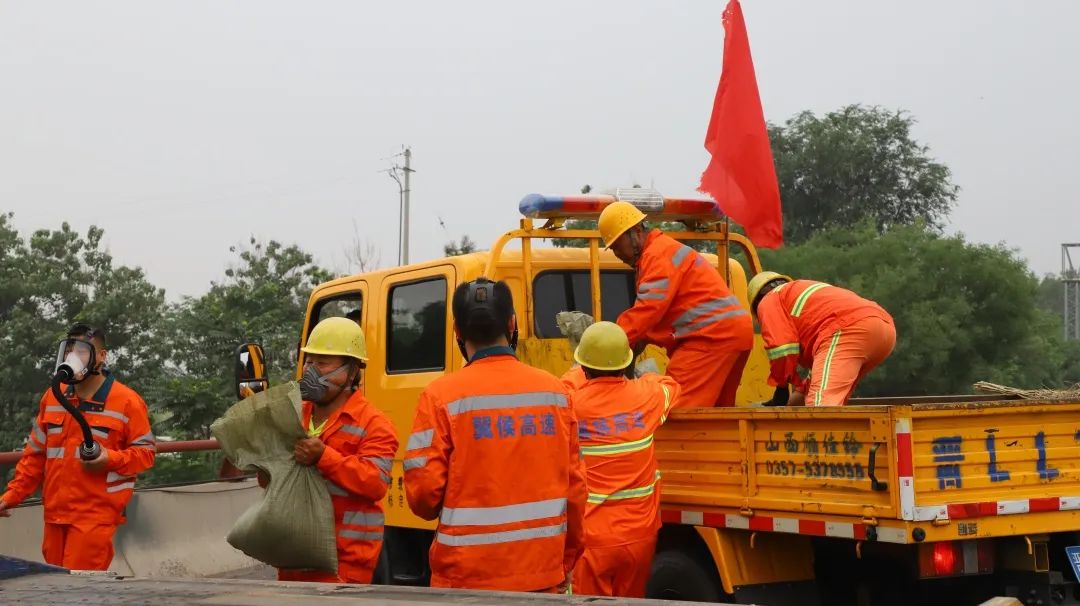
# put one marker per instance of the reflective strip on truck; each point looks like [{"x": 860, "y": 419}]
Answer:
[
  {"x": 964, "y": 511},
  {"x": 817, "y": 528},
  {"x": 905, "y": 469}
]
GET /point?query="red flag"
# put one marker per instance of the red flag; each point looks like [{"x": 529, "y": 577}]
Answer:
[{"x": 741, "y": 175}]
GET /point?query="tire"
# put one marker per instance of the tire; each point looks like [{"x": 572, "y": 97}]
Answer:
[{"x": 676, "y": 575}]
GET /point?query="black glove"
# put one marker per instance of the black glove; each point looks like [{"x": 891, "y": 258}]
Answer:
[{"x": 780, "y": 397}]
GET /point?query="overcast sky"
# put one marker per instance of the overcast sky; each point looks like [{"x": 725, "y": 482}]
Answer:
[{"x": 184, "y": 127}]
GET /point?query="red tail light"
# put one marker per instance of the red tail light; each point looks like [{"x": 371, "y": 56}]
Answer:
[
  {"x": 946, "y": 561},
  {"x": 955, "y": 558}
]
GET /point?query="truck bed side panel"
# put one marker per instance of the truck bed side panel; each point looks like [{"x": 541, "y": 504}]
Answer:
[
  {"x": 813, "y": 461},
  {"x": 997, "y": 454}
]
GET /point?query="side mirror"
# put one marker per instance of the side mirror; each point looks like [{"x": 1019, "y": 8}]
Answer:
[{"x": 250, "y": 370}]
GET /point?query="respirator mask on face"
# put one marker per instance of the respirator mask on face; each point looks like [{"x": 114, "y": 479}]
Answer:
[
  {"x": 315, "y": 387},
  {"x": 76, "y": 360}
]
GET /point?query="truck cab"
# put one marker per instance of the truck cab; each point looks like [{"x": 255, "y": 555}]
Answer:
[{"x": 405, "y": 315}]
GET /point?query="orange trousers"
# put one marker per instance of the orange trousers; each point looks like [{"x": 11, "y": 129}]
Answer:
[
  {"x": 622, "y": 570},
  {"x": 843, "y": 358},
  {"x": 79, "y": 546},
  {"x": 709, "y": 376},
  {"x": 348, "y": 574}
]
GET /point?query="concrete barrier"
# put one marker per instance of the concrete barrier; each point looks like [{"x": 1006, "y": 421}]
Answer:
[{"x": 171, "y": 532}]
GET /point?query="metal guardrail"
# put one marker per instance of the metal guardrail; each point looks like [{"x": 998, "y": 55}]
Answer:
[{"x": 9, "y": 458}]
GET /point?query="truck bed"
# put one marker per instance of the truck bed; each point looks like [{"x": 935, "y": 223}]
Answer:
[{"x": 877, "y": 471}]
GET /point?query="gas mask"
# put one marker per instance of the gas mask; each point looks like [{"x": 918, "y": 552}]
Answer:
[
  {"x": 315, "y": 387},
  {"x": 76, "y": 360}
]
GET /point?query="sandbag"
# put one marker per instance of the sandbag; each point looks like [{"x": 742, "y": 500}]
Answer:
[
  {"x": 646, "y": 366},
  {"x": 293, "y": 525},
  {"x": 572, "y": 325}
]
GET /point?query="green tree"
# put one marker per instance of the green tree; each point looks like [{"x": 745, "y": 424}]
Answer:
[
  {"x": 853, "y": 165},
  {"x": 48, "y": 282},
  {"x": 1052, "y": 295},
  {"x": 964, "y": 312},
  {"x": 263, "y": 298},
  {"x": 461, "y": 247}
]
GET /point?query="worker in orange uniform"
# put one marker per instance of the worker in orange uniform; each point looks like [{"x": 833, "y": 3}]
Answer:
[
  {"x": 834, "y": 332},
  {"x": 617, "y": 418},
  {"x": 84, "y": 500},
  {"x": 494, "y": 456},
  {"x": 352, "y": 444},
  {"x": 682, "y": 305}
]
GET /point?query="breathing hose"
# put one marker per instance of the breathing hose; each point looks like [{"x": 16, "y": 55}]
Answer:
[{"x": 89, "y": 449}]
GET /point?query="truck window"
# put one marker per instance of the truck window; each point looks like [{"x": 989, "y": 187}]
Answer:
[
  {"x": 417, "y": 327},
  {"x": 555, "y": 291},
  {"x": 343, "y": 306}
]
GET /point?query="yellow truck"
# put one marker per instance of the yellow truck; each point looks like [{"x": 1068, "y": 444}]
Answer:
[{"x": 886, "y": 501}]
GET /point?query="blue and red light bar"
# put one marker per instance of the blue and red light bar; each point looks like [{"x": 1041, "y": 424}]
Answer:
[{"x": 538, "y": 206}]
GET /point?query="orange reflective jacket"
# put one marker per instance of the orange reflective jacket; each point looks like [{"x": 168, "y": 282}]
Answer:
[
  {"x": 494, "y": 455},
  {"x": 118, "y": 418},
  {"x": 360, "y": 446},
  {"x": 680, "y": 296},
  {"x": 617, "y": 418},
  {"x": 796, "y": 315}
]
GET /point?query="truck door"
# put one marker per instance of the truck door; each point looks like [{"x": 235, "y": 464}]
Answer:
[{"x": 410, "y": 349}]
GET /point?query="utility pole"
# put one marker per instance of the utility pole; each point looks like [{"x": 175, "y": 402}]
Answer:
[
  {"x": 403, "y": 203},
  {"x": 1070, "y": 279}
]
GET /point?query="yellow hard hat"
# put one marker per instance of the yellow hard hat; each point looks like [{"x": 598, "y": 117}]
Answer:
[
  {"x": 337, "y": 337},
  {"x": 617, "y": 218},
  {"x": 604, "y": 346},
  {"x": 759, "y": 281}
]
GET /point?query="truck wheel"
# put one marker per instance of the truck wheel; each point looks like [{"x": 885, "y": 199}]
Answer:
[{"x": 678, "y": 576}]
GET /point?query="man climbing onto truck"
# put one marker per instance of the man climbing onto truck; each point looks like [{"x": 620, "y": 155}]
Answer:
[
  {"x": 682, "y": 305},
  {"x": 617, "y": 418},
  {"x": 832, "y": 331}
]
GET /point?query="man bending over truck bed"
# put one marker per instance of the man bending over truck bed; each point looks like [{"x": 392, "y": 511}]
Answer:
[
  {"x": 683, "y": 305},
  {"x": 834, "y": 332}
]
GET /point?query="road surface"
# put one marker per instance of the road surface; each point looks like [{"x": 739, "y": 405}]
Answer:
[{"x": 61, "y": 589}]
